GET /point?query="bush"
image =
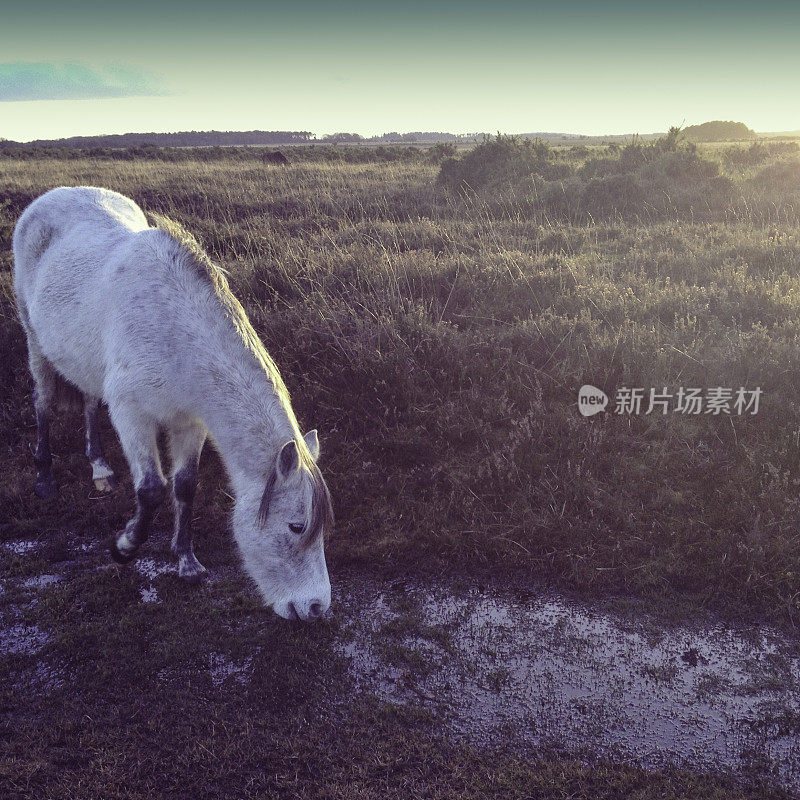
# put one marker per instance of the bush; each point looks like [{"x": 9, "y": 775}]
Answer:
[
  {"x": 643, "y": 180},
  {"x": 599, "y": 168},
  {"x": 615, "y": 193},
  {"x": 742, "y": 158},
  {"x": 578, "y": 152},
  {"x": 783, "y": 176},
  {"x": 441, "y": 151},
  {"x": 684, "y": 166},
  {"x": 504, "y": 161}
]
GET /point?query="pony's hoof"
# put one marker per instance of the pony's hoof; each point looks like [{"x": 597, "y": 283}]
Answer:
[
  {"x": 106, "y": 485},
  {"x": 119, "y": 557},
  {"x": 191, "y": 570},
  {"x": 46, "y": 489}
]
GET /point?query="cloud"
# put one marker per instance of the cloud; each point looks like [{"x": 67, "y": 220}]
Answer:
[{"x": 71, "y": 81}]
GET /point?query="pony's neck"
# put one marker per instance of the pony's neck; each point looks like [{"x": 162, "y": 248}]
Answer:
[{"x": 248, "y": 419}]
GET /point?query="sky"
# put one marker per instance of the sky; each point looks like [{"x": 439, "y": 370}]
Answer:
[{"x": 87, "y": 68}]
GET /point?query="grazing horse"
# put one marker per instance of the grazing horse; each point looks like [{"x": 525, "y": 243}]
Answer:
[{"x": 139, "y": 317}]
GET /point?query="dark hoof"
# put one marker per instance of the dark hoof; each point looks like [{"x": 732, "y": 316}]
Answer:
[
  {"x": 46, "y": 489},
  {"x": 193, "y": 580},
  {"x": 190, "y": 570},
  {"x": 120, "y": 558}
]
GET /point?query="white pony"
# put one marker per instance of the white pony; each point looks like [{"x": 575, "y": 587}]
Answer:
[{"x": 139, "y": 317}]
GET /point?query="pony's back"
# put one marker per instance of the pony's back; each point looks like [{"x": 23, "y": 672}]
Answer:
[
  {"x": 66, "y": 243},
  {"x": 117, "y": 306},
  {"x": 63, "y": 230},
  {"x": 58, "y": 215}
]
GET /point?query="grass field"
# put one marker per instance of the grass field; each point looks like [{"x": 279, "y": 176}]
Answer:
[
  {"x": 437, "y": 333},
  {"x": 438, "y": 344}
]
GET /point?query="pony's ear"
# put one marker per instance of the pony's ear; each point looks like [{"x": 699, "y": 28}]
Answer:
[
  {"x": 288, "y": 459},
  {"x": 312, "y": 442}
]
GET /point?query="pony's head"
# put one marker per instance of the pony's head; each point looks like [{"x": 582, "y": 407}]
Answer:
[{"x": 281, "y": 535}]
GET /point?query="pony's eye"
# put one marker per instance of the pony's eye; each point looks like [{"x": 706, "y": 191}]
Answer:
[{"x": 296, "y": 528}]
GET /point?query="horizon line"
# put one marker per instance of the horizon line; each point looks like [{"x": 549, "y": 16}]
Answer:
[{"x": 314, "y": 137}]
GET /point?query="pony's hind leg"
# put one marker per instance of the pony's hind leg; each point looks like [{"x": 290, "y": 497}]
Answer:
[
  {"x": 138, "y": 435},
  {"x": 44, "y": 396},
  {"x": 185, "y": 444},
  {"x": 102, "y": 474}
]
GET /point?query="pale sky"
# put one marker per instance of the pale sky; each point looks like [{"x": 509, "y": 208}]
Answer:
[{"x": 613, "y": 67}]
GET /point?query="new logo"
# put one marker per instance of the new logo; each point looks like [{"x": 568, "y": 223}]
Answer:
[{"x": 591, "y": 400}]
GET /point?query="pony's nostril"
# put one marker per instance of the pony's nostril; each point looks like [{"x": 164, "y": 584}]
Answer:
[
  {"x": 293, "y": 612},
  {"x": 315, "y": 610}
]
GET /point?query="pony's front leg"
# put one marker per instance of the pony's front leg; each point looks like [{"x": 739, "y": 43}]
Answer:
[
  {"x": 185, "y": 444},
  {"x": 137, "y": 433}
]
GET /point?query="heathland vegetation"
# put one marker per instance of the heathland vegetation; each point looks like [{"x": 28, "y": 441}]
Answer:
[
  {"x": 435, "y": 319},
  {"x": 434, "y": 315}
]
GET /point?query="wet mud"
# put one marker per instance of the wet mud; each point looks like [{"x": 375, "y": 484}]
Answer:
[
  {"x": 533, "y": 670},
  {"x": 545, "y": 671}
]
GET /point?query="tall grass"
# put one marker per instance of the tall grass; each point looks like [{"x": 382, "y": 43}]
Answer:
[{"x": 437, "y": 333}]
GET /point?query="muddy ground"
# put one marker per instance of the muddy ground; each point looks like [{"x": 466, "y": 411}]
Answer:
[{"x": 490, "y": 667}]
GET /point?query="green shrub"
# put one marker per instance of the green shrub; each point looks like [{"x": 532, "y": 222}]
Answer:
[
  {"x": 681, "y": 165},
  {"x": 440, "y": 151},
  {"x": 641, "y": 180},
  {"x": 744, "y": 157},
  {"x": 599, "y": 168},
  {"x": 615, "y": 193},
  {"x": 504, "y": 161},
  {"x": 783, "y": 176}
]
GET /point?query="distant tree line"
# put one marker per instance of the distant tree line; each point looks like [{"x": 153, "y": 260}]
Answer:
[
  {"x": 181, "y": 139},
  {"x": 426, "y": 136},
  {"x": 231, "y": 139},
  {"x": 716, "y": 131},
  {"x": 315, "y": 151},
  {"x": 416, "y": 137},
  {"x": 719, "y": 131}
]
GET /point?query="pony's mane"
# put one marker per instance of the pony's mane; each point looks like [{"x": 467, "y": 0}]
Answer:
[
  {"x": 192, "y": 254},
  {"x": 196, "y": 258}
]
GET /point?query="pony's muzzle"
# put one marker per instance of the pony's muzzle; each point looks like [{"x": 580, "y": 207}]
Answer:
[{"x": 304, "y": 610}]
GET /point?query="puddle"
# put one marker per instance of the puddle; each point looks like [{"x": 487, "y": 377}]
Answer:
[
  {"x": 545, "y": 671},
  {"x": 151, "y": 569},
  {"x": 20, "y": 639},
  {"x": 41, "y": 581},
  {"x": 221, "y": 668},
  {"x": 548, "y": 672},
  {"x": 20, "y": 548},
  {"x": 148, "y": 594}
]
